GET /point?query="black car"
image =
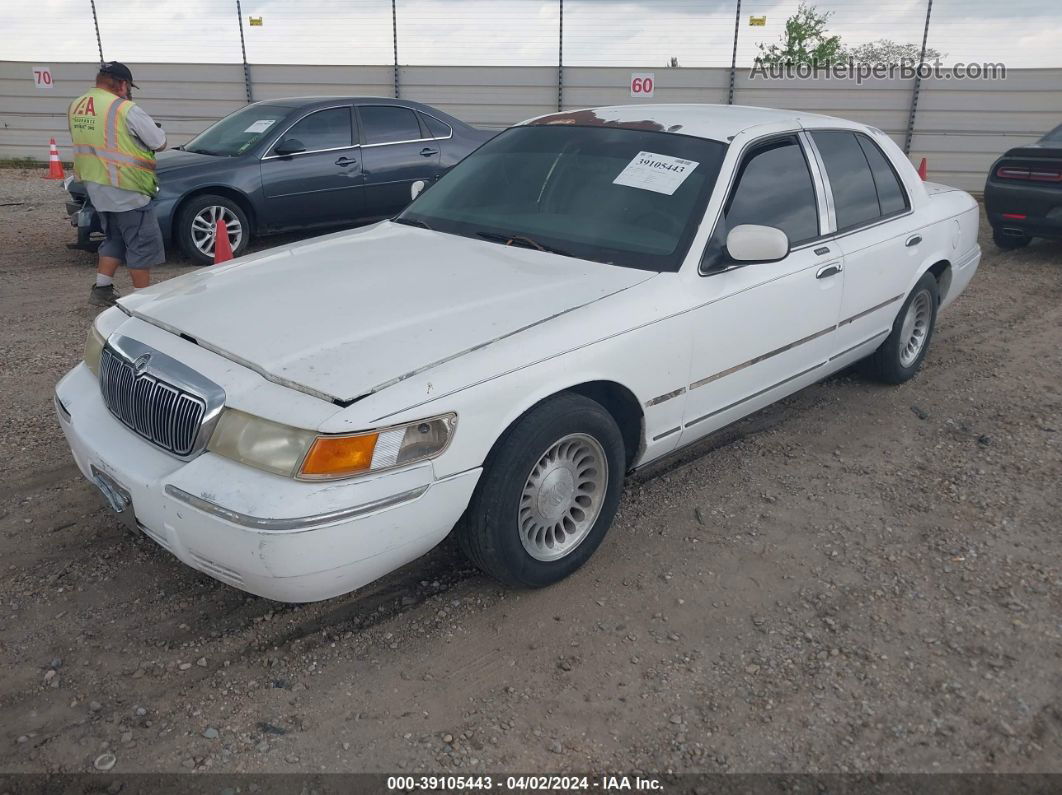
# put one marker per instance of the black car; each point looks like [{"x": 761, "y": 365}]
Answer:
[
  {"x": 1023, "y": 194},
  {"x": 296, "y": 163}
]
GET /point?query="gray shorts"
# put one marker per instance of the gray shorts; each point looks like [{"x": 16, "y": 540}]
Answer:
[{"x": 133, "y": 237}]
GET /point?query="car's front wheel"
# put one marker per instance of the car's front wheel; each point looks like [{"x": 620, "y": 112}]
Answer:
[
  {"x": 197, "y": 222},
  {"x": 548, "y": 493},
  {"x": 902, "y": 353}
]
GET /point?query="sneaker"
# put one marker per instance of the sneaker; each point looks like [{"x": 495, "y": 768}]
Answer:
[{"x": 103, "y": 296}]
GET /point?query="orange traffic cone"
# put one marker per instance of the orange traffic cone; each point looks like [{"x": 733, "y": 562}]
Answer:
[
  {"x": 222, "y": 245},
  {"x": 922, "y": 169},
  {"x": 55, "y": 165}
]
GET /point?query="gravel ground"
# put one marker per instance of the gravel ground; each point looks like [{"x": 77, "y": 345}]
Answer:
[{"x": 857, "y": 579}]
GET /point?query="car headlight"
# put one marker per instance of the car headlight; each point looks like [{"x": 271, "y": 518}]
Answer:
[
  {"x": 94, "y": 349},
  {"x": 295, "y": 452}
]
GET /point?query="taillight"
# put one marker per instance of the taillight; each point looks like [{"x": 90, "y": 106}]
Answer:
[{"x": 1034, "y": 175}]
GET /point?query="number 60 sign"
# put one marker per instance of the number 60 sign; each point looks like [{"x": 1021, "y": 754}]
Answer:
[{"x": 642, "y": 84}]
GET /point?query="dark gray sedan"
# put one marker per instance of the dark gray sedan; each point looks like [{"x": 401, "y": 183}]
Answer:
[{"x": 297, "y": 163}]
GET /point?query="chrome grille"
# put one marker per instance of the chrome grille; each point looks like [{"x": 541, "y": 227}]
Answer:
[{"x": 163, "y": 414}]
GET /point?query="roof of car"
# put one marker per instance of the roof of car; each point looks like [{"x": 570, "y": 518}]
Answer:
[
  {"x": 718, "y": 122},
  {"x": 298, "y": 102}
]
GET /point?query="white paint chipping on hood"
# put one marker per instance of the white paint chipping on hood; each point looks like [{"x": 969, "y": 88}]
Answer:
[{"x": 349, "y": 314}]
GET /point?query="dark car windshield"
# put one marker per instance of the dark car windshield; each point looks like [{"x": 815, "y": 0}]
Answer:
[
  {"x": 237, "y": 132},
  {"x": 618, "y": 195},
  {"x": 1055, "y": 136}
]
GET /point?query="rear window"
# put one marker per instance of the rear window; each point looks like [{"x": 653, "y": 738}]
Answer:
[
  {"x": 855, "y": 195},
  {"x": 388, "y": 124}
]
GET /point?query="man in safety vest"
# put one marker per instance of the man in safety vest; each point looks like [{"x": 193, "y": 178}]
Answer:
[{"x": 114, "y": 156}]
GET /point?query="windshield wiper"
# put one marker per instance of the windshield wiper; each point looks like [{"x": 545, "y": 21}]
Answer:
[
  {"x": 411, "y": 222},
  {"x": 522, "y": 241},
  {"x": 210, "y": 152}
]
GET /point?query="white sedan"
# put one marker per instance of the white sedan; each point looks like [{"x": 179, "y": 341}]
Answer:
[{"x": 589, "y": 291}]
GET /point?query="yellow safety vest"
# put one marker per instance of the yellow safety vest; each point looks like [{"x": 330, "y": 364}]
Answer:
[{"x": 105, "y": 151}]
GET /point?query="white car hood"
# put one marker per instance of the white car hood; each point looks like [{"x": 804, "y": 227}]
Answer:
[{"x": 349, "y": 314}]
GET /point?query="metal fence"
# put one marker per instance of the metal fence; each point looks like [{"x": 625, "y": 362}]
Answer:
[
  {"x": 495, "y": 62},
  {"x": 960, "y": 126}
]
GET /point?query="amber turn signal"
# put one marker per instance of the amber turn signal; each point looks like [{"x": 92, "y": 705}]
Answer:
[{"x": 332, "y": 456}]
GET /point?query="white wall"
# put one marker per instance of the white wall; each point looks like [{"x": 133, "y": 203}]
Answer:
[{"x": 961, "y": 126}]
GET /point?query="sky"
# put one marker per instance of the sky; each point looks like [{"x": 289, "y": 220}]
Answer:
[{"x": 1018, "y": 33}]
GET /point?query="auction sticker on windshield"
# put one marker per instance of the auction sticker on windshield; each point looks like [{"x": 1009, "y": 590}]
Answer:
[
  {"x": 658, "y": 173},
  {"x": 260, "y": 126}
]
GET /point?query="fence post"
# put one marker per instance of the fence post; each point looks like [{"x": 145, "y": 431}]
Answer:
[
  {"x": 560, "y": 59},
  {"x": 917, "y": 83},
  {"x": 394, "y": 39},
  {"x": 733, "y": 57},
  {"x": 96, "y": 22},
  {"x": 243, "y": 52}
]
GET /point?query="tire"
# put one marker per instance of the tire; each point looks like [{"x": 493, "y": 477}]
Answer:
[
  {"x": 504, "y": 530},
  {"x": 904, "y": 350},
  {"x": 194, "y": 230},
  {"x": 1009, "y": 242}
]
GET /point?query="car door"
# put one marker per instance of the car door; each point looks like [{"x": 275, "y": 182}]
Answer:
[
  {"x": 396, "y": 152},
  {"x": 875, "y": 233},
  {"x": 321, "y": 184},
  {"x": 763, "y": 329}
]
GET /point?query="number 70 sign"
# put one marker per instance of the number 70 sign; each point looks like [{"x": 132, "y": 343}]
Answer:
[{"x": 42, "y": 77}]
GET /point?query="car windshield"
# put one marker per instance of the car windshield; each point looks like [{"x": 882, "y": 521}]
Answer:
[
  {"x": 236, "y": 133},
  {"x": 617, "y": 195},
  {"x": 1055, "y": 136}
]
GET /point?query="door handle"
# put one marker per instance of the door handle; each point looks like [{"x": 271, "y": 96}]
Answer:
[
  {"x": 427, "y": 151},
  {"x": 913, "y": 240},
  {"x": 346, "y": 161},
  {"x": 826, "y": 271}
]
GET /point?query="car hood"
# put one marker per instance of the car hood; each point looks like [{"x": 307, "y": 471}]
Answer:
[
  {"x": 173, "y": 159},
  {"x": 349, "y": 314}
]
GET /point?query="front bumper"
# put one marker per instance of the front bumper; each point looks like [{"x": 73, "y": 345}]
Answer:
[{"x": 276, "y": 537}]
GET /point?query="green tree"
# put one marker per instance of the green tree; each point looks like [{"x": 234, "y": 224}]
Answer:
[
  {"x": 805, "y": 41},
  {"x": 890, "y": 52}
]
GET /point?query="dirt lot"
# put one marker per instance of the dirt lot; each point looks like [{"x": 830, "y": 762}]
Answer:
[{"x": 859, "y": 579}]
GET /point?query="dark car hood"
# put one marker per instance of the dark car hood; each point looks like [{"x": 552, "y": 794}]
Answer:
[{"x": 173, "y": 159}]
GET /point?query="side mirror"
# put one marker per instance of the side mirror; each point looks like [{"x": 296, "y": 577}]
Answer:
[
  {"x": 417, "y": 188},
  {"x": 289, "y": 146},
  {"x": 754, "y": 243}
]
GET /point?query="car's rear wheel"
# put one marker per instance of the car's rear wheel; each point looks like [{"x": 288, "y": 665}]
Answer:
[
  {"x": 902, "y": 353},
  {"x": 548, "y": 493},
  {"x": 1009, "y": 241},
  {"x": 197, "y": 222}
]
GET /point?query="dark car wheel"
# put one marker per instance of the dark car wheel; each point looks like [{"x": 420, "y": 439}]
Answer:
[
  {"x": 902, "y": 353},
  {"x": 197, "y": 221},
  {"x": 1009, "y": 242},
  {"x": 548, "y": 493}
]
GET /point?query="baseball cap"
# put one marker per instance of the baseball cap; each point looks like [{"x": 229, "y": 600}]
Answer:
[{"x": 119, "y": 70}]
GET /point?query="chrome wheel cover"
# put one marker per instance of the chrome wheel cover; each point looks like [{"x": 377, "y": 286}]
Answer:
[
  {"x": 915, "y": 329},
  {"x": 204, "y": 226},
  {"x": 562, "y": 497}
]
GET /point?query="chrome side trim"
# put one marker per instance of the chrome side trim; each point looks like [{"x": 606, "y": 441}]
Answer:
[
  {"x": 664, "y": 398},
  {"x": 760, "y": 358},
  {"x": 847, "y": 351},
  {"x": 396, "y": 143},
  {"x": 830, "y": 227},
  {"x": 865, "y": 312},
  {"x": 754, "y": 395},
  {"x": 660, "y": 436},
  {"x": 295, "y": 523}
]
